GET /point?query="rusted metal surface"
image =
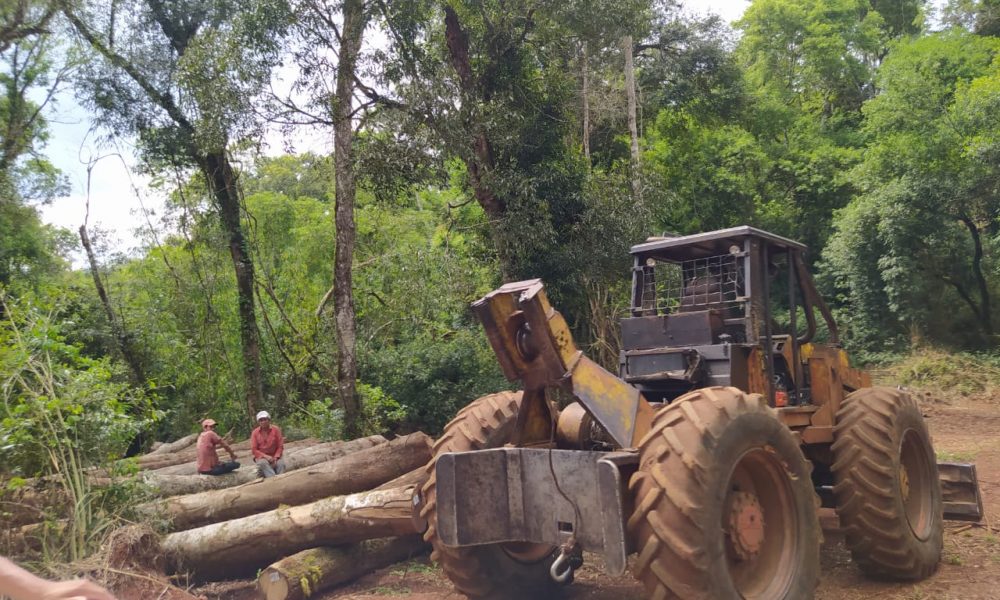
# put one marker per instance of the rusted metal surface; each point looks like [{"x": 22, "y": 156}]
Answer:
[
  {"x": 714, "y": 328},
  {"x": 746, "y": 525},
  {"x": 960, "y": 491},
  {"x": 615, "y": 404},
  {"x": 512, "y": 495},
  {"x": 817, "y": 435},
  {"x": 533, "y": 344},
  {"x": 796, "y": 416},
  {"x": 759, "y": 521}
]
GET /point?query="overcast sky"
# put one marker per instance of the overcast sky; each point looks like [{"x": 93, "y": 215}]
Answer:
[{"x": 118, "y": 195}]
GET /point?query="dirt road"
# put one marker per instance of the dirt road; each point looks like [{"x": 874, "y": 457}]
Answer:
[{"x": 970, "y": 570}]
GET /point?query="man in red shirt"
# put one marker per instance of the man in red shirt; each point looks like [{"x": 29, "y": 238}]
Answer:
[
  {"x": 268, "y": 446},
  {"x": 208, "y": 460}
]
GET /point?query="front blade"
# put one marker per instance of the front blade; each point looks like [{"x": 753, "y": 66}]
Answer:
[{"x": 960, "y": 491}]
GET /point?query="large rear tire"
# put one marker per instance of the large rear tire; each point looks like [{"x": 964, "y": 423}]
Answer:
[
  {"x": 887, "y": 489},
  {"x": 724, "y": 504},
  {"x": 496, "y": 571}
]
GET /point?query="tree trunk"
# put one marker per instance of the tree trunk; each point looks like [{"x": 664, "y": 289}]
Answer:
[
  {"x": 125, "y": 345},
  {"x": 585, "y": 67},
  {"x": 343, "y": 262},
  {"x": 175, "y": 446},
  {"x": 309, "y": 572},
  {"x": 177, "y": 485},
  {"x": 356, "y": 472},
  {"x": 244, "y": 456},
  {"x": 985, "y": 306},
  {"x": 416, "y": 477},
  {"x": 633, "y": 127},
  {"x": 239, "y": 547},
  {"x": 224, "y": 186},
  {"x": 478, "y": 155}
]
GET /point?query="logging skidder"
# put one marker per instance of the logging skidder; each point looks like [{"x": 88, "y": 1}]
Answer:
[{"x": 708, "y": 453}]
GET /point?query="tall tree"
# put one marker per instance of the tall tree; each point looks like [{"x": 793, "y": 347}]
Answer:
[
  {"x": 497, "y": 88},
  {"x": 29, "y": 79},
  {"x": 633, "y": 119},
  {"x": 917, "y": 249},
  {"x": 355, "y": 19},
  {"x": 981, "y": 17},
  {"x": 182, "y": 77}
]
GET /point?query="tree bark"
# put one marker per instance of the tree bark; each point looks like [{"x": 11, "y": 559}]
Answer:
[
  {"x": 985, "y": 308},
  {"x": 221, "y": 178},
  {"x": 223, "y": 184},
  {"x": 241, "y": 546},
  {"x": 356, "y": 472},
  {"x": 177, "y": 485},
  {"x": 175, "y": 446},
  {"x": 478, "y": 156},
  {"x": 125, "y": 346},
  {"x": 355, "y": 21},
  {"x": 633, "y": 126},
  {"x": 312, "y": 571},
  {"x": 585, "y": 67}
]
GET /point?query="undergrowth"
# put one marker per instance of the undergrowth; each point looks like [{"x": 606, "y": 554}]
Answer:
[{"x": 946, "y": 373}]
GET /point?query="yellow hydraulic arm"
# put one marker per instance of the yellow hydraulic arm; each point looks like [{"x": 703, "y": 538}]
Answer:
[{"x": 534, "y": 345}]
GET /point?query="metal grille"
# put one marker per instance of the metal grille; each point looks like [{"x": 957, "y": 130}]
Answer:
[{"x": 715, "y": 282}]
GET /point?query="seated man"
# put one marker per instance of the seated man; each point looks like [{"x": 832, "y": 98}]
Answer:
[
  {"x": 267, "y": 446},
  {"x": 208, "y": 460}
]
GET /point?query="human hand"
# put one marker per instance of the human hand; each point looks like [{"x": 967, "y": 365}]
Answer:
[
  {"x": 232, "y": 455},
  {"x": 77, "y": 589}
]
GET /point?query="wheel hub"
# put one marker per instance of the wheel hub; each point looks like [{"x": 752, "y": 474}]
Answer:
[{"x": 746, "y": 525}]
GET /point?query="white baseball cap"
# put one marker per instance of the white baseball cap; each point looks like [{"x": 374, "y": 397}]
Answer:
[{"x": 263, "y": 415}]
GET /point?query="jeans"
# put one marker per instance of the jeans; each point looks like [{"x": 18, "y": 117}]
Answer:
[
  {"x": 266, "y": 470},
  {"x": 222, "y": 468}
]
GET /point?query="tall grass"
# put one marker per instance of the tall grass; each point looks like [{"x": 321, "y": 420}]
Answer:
[{"x": 63, "y": 416}]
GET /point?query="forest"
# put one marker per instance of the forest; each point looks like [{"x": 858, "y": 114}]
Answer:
[{"x": 474, "y": 143}]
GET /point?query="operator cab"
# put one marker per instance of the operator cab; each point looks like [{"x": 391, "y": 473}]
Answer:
[{"x": 702, "y": 311}]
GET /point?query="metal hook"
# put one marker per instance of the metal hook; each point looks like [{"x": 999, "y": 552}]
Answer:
[{"x": 563, "y": 560}]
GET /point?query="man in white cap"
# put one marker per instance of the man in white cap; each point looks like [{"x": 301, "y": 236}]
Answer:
[
  {"x": 268, "y": 446},
  {"x": 208, "y": 460}
]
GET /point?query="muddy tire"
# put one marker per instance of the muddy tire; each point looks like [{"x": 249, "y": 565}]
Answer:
[
  {"x": 887, "y": 489},
  {"x": 724, "y": 504},
  {"x": 495, "y": 571}
]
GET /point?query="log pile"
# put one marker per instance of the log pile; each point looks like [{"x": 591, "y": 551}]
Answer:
[
  {"x": 354, "y": 472},
  {"x": 341, "y": 510},
  {"x": 176, "y": 485},
  {"x": 301, "y": 575}
]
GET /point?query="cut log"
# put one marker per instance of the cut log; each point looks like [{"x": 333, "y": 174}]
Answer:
[
  {"x": 416, "y": 478},
  {"x": 189, "y": 454},
  {"x": 239, "y": 547},
  {"x": 172, "y": 447},
  {"x": 28, "y": 539},
  {"x": 28, "y": 504},
  {"x": 243, "y": 456},
  {"x": 309, "y": 572},
  {"x": 177, "y": 485},
  {"x": 355, "y": 472}
]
